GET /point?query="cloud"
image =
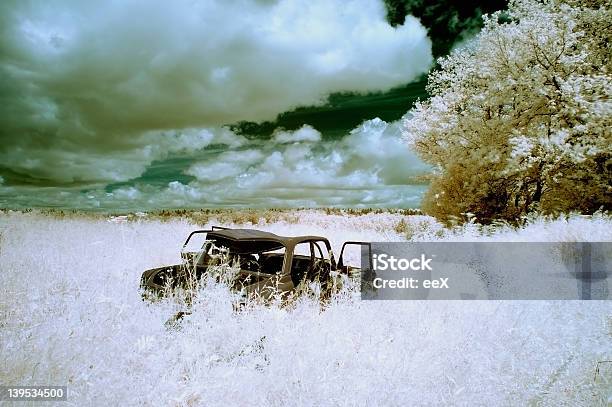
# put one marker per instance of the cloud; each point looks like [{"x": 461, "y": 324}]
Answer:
[
  {"x": 225, "y": 165},
  {"x": 370, "y": 166},
  {"x": 98, "y": 165},
  {"x": 305, "y": 133},
  {"x": 96, "y": 91},
  {"x": 370, "y": 156}
]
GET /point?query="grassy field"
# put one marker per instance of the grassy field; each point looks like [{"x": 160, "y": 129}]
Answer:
[{"x": 71, "y": 313}]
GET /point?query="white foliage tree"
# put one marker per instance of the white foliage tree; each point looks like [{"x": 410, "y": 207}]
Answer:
[{"x": 521, "y": 118}]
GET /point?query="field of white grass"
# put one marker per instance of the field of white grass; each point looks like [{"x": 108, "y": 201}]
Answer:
[{"x": 71, "y": 313}]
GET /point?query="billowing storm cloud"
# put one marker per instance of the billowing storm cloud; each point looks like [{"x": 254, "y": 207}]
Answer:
[{"x": 90, "y": 90}]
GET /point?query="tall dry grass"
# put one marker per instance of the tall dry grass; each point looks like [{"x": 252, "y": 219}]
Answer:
[{"x": 71, "y": 313}]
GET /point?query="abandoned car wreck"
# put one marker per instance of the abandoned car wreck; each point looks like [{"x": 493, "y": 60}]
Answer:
[{"x": 264, "y": 263}]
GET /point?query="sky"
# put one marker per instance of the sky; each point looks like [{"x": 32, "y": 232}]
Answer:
[{"x": 142, "y": 105}]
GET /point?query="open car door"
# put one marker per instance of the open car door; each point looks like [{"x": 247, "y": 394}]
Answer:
[{"x": 351, "y": 262}]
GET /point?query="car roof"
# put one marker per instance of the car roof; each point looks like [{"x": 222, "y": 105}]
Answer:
[
  {"x": 254, "y": 235},
  {"x": 244, "y": 234}
]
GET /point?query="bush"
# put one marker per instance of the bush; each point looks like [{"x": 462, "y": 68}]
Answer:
[{"x": 520, "y": 119}]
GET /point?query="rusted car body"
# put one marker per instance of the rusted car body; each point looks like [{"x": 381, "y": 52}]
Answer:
[{"x": 264, "y": 263}]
